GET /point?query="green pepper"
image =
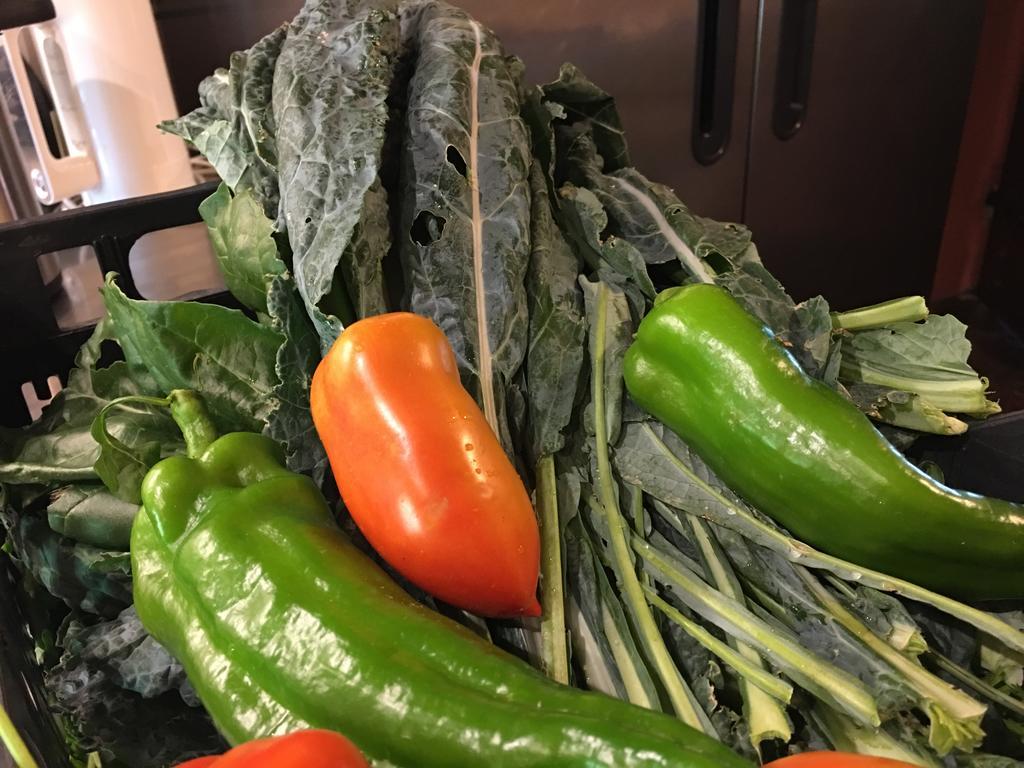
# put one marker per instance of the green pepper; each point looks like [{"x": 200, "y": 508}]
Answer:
[
  {"x": 282, "y": 624},
  {"x": 806, "y": 457}
]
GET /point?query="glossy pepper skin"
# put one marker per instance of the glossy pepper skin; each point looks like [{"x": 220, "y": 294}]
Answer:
[
  {"x": 301, "y": 749},
  {"x": 809, "y": 459},
  {"x": 282, "y": 625},
  {"x": 420, "y": 469}
]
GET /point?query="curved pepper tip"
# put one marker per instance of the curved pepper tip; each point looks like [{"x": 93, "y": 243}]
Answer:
[{"x": 533, "y": 609}]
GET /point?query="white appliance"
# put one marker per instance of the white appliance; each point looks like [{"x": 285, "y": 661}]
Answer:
[{"x": 82, "y": 95}]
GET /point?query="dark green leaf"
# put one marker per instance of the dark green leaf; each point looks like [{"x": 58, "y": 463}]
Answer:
[
  {"x": 90, "y": 514},
  {"x": 805, "y": 328},
  {"x": 653, "y": 220},
  {"x": 777, "y": 577},
  {"x": 257, "y": 276},
  {"x": 659, "y": 228},
  {"x": 133, "y": 659},
  {"x": 651, "y": 456},
  {"x": 539, "y": 115},
  {"x": 554, "y": 357},
  {"x": 722, "y": 239},
  {"x": 465, "y": 234},
  {"x": 648, "y": 215},
  {"x": 218, "y": 352},
  {"x": 122, "y": 467},
  {"x": 706, "y": 680},
  {"x": 127, "y": 698},
  {"x": 234, "y": 126},
  {"x": 808, "y": 335},
  {"x": 242, "y": 238},
  {"x": 362, "y": 265},
  {"x": 59, "y": 447},
  {"x": 331, "y": 83},
  {"x": 830, "y": 373},
  {"x": 615, "y": 260},
  {"x": 48, "y": 451},
  {"x": 618, "y": 335},
  {"x": 582, "y": 100},
  {"x": 887, "y": 617},
  {"x": 85, "y": 577},
  {"x": 760, "y": 293},
  {"x": 290, "y": 422}
]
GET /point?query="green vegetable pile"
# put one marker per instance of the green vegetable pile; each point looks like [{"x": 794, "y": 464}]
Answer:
[{"x": 379, "y": 156}]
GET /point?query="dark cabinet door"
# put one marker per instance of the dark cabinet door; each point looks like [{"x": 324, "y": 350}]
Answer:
[
  {"x": 1003, "y": 272},
  {"x": 854, "y": 140},
  {"x": 677, "y": 69}
]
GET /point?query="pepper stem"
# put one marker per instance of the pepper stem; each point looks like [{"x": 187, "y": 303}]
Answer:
[
  {"x": 190, "y": 414},
  {"x": 908, "y": 309},
  {"x": 187, "y": 410}
]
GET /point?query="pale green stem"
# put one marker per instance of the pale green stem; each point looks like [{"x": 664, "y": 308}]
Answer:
[
  {"x": 637, "y": 513},
  {"x": 754, "y": 671},
  {"x": 988, "y": 691},
  {"x": 766, "y": 718},
  {"x": 552, "y": 625},
  {"x": 803, "y": 667},
  {"x": 630, "y": 583},
  {"x": 908, "y": 309},
  {"x": 933, "y": 694},
  {"x": 16, "y": 747}
]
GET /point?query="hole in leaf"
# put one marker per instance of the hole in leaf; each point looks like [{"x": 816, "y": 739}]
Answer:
[
  {"x": 426, "y": 228},
  {"x": 110, "y": 353},
  {"x": 308, "y": 219},
  {"x": 666, "y": 274},
  {"x": 456, "y": 160},
  {"x": 717, "y": 262}
]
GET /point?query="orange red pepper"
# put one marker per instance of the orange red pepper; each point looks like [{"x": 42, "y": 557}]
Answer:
[
  {"x": 836, "y": 760},
  {"x": 421, "y": 471},
  {"x": 302, "y": 749}
]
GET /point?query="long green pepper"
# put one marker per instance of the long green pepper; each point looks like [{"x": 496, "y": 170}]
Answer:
[
  {"x": 809, "y": 459},
  {"x": 281, "y": 624}
]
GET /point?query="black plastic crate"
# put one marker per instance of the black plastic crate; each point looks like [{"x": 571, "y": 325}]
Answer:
[
  {"x": 32, "y": 345},
  {"x": 33, "y": 348},
  {"x": 988, "y": 459}
]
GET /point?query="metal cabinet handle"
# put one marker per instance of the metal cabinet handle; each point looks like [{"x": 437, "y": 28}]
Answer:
[
  {"x": 793, "y": 76},
  {"x": 716, "y": 75}
]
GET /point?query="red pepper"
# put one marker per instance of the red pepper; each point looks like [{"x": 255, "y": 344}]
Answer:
[
  {"x": 421, "y": 471},
  {"x": 302, "y": 749},
  {"x": 836, "y": 760}
]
